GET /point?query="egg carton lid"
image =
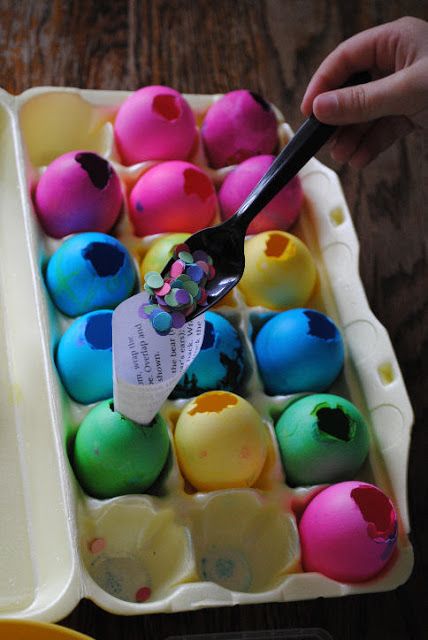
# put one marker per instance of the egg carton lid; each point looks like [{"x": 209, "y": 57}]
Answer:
[{"x": 268, "y": 634}]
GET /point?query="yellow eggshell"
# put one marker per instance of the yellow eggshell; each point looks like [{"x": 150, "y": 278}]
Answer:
[
  {"x": 280, "y": 272},
  {"x": 160, "y": 252},
  {"x": 220, "y": 441}
]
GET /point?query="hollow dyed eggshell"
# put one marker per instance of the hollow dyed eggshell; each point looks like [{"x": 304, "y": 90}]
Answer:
[
  {"x": 79, "y": 191},
  {"x": 322, "y": 438},
  {"x": 172, "y": 196},
  {"x": 220, "y": 441},
  {"x": 298, "y": 350},
  {"x": 154, "y": 123},
  {"x": 220, "y": 362},
  {"x": 114, "y": 456},
  {"x": 279, "y": 271},
  {"x": 90, "y": 271},
  {"x": 348, "y": 532},
  {"x": 239, "y": 125},
  {"x": 84, "y": 357},
  {"x": 160, "y": 252},
  {"x": 280, "y": 213}
]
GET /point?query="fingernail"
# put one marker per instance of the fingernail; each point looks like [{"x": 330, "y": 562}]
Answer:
[
  {"x": 305, "y": 110},
  {"x": 326, "y": 104}
]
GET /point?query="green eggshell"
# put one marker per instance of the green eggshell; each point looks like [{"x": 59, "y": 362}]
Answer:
[
  {"x": 322, "y": 438},
  {"x": 161, "y": 251},
  {"x": 114, "y": 456}
]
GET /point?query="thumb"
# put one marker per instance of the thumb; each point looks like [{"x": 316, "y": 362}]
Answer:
[{"x": 365, "y": 102}]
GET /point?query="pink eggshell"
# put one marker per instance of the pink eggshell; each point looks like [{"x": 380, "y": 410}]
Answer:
[
  {"x": 348, "y": 532},
  {"x": 172, "y": 196},
  {"x": 281, "y": 212},
  {"x": 154, "y": 123},
  {"x": 79, "y": 191},
  {"x": 238, "y": 126}
]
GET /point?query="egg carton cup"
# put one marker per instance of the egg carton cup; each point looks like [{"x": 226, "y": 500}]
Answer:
[{"x": 177, "y": 548}]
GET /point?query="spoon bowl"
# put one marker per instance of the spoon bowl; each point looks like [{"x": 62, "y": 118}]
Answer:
[{"x": 224, "y": 243}]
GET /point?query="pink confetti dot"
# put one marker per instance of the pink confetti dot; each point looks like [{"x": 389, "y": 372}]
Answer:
[
  {"x": 166, "y": 288},
  {"x": 97, "y": 545},
  {"x": 143, "y": 594},
  {"x": 177, "y": 268}
]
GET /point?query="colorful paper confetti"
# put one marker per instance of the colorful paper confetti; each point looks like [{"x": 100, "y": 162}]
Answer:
[{"x": 176, "y": 296}]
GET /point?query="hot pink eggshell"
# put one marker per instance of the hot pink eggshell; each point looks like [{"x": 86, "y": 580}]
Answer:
[
  {"x": 73, "y": 196},
  {"x": 238, "y": 126},
  {"x": 281, "y": 212},
  {"x": 154, "y": 123},
  {"x": 172, "y": 196},
  {"x": 348, "y": 532}
]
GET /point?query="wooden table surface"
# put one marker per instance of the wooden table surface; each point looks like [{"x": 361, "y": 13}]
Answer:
[{"x": 272, "y": 47}]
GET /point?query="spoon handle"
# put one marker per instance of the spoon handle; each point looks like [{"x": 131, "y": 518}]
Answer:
[{"x": 307, "y": 141}]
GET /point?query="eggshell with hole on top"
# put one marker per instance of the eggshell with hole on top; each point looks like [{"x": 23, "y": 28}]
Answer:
[
  {"x": 79, "y": 191},
  {"x": 84, "y": 357},
  {"x": 299, "y": 350},
  {"x": 280, "y": 213},
  {"x": 279, "y": 272},
  {"x": 322, "y": 438},
  {"x": 89, "y": 271},
  {"x": 154, "y": 123},
  {"x": 219, "y": 364},
  {"x": 220, "y": 441},
  {"x": 172, "y": 197},
  {"x": 348, "y": 532},
  {"x": 239, "y": 125}
]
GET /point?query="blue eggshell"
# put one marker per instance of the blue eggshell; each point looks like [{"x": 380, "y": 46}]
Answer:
[
  {"x": 299, "y": 350},
  {"x": 218, "y": 365},
  {"x": 84, "y": 357},
  {"x": 90, "y": 271}
]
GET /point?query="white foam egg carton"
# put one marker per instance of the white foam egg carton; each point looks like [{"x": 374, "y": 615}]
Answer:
[{"x": 58, "y": 545}]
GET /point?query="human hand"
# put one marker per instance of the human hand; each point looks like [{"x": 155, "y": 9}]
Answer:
[{"x": 372, "y": 116}]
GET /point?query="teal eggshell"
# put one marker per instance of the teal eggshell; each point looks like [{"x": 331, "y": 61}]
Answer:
[
  {"x": 220, "y": 363},
  {"x": 322, "y": 438},
  {"x": 84, "y": 357},
  {"x": 299, "y": 350},
  {"x": 115, "y": 456},
  {"x": 90, "y": 271}
]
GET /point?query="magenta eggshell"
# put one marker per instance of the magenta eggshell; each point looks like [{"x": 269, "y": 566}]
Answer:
[
  {"x": 348, "y": 532},
  {"x": 280, "y": 213},
  {"x": 79, "y": 191},
  {"x": 154, "y": 123},
  {"x": 238, "y": 126},
  {"x": 172, "y": 196}
]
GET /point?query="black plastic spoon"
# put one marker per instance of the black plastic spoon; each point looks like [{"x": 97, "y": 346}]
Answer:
[{"x": 225, "y": 242}]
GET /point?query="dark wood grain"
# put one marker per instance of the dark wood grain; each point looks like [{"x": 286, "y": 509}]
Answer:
[{"x": 272, "y": 47}]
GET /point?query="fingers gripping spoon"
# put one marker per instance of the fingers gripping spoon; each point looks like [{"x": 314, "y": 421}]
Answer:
[{"x": 225, "y": 242}]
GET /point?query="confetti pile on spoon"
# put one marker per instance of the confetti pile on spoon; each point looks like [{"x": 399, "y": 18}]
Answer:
[{"x": 177, "y": 295}]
